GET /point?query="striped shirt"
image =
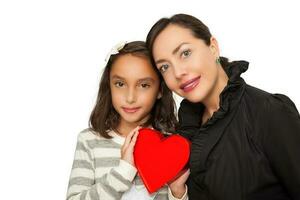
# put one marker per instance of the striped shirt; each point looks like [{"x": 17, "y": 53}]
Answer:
[{"x": 98, "y": 172}]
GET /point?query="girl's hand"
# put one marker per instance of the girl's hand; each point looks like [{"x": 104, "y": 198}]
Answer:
[
  {"x": 128, "y": 146},
  {"x": 177, "y": 186}
]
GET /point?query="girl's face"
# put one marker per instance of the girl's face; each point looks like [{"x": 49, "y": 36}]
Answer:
[
  {"x": 134, "y": 88},
  {"x": 187, "y": 64}
]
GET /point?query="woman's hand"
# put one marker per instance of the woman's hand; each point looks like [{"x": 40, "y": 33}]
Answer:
[
  {"x": 128, "y": 146},
  {"x": 177, "y": 186}
]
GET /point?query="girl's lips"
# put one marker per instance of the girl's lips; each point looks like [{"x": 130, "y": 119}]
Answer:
[
  {"x": 190, "y": 84},
  {"x": 130, "y": 110}
]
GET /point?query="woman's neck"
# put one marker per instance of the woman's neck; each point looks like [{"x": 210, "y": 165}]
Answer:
[{"x": 212, "y": 101}]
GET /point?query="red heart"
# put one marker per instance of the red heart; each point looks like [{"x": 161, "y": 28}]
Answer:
[{"x": 159, "y": 159}]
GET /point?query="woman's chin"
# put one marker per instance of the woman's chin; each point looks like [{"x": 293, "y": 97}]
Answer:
[{"x": 194, "y": 96}]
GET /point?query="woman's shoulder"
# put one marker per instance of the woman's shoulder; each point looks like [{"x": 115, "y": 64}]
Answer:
[
  {"x": 269, "y": 101},
  {"x": 282, "y": 105}
]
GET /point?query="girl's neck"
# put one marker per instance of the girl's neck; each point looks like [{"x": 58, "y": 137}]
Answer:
[
  {"x": 125, "y": 127},
  {"x": 212, "y": 101}
]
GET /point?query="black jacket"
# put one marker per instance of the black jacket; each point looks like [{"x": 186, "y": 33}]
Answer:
[{"x": 248, "y": 149}]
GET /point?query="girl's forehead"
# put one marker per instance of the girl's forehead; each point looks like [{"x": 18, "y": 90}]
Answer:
[{"x": 133, "y": 67}]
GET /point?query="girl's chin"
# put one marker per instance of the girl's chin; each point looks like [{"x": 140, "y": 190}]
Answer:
[{"x": 131, "y": 119}]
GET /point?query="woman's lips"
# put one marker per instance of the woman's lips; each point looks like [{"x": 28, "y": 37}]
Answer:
[
  {"x": 130, "y": 110},
  {"x": 190, "y": 84}
]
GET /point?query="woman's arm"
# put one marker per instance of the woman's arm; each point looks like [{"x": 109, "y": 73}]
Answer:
[{"x": 281, "y": 142}]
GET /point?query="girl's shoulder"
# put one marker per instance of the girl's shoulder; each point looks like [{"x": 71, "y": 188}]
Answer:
[
  {"x": 89, "y": 134},
  {"x": 93, "y": 140}
]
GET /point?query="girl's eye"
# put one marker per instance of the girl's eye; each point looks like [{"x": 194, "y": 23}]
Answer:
[
  {"x": 119, "y": 84},
  {"x": 145, "y": 85},
  {"x": 163, "y": 68},
  {"x": 186, "y": 53}
]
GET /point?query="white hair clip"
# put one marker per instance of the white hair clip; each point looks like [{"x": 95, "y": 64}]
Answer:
[{"x": 115, "y": 50}]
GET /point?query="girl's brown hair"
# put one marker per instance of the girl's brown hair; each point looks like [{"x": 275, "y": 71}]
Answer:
[
  {"x": 105, "y": 118},
  {"x": 198, "y": 28}
]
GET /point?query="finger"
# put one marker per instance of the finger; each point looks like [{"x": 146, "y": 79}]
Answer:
[
  {"x": 129, "y": 137},
  {"x": 133, "y": 140},
  {"x": 183, "y": 174},
  {"x": 186, "y": 173},
  {"x": 127, "y": 141}
]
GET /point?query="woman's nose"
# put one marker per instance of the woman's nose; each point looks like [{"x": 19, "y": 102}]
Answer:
[{"x": 179, "y": 70}]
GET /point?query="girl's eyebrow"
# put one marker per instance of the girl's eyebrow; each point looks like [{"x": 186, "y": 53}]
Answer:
[
  {"x": 117, "y": 77},
  {"x": 140, "y": 80},
  {"x": 173, "y": 52},
  {"x": 147, "y": 79}
]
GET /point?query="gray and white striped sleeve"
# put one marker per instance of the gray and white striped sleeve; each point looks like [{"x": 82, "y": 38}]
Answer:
[{"x": 82, "y": 184}]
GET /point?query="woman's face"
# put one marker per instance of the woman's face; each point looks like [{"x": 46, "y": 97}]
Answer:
[{"x": 187, "y": 64}]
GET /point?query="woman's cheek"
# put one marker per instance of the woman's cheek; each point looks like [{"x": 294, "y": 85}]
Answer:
[{"x": 170, "y": 82}]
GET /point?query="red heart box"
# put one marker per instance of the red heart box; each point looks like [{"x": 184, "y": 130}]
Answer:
[{"x": 159, "y": 158}]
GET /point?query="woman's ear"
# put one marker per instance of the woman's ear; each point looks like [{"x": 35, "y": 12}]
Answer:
[{"x": 214, "y": 46}]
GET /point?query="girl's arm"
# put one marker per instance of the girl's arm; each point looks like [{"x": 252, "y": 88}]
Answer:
[
  {"x": 183, "y": 197},
  {"x": 177, "y": 189},
  {"x": 82, "y": 185}
]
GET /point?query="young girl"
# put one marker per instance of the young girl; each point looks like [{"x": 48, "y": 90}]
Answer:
[{"x": 130, "y": 95}]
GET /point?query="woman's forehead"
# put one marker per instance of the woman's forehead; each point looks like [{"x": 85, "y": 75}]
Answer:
[
  {"x": 172, "y": 37},
  {"x": 174, "y": 34}
]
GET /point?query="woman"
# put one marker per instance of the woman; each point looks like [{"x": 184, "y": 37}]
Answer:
[{"x": 245, "y": 141}]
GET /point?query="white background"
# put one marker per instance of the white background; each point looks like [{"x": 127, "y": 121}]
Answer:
[{"x": 51, "y": 54}]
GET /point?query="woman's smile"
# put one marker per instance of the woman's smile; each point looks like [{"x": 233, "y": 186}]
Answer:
[{"x": 190, "y": 84}]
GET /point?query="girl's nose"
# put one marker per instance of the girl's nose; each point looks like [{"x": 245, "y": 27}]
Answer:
[{"x": 131, "y": 96}]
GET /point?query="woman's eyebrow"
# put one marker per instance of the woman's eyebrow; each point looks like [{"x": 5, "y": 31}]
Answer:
[
  {"x": 173, "y": 52},
  {"x": 178, "y": 47},
  {"x": 160, "y": 61}
]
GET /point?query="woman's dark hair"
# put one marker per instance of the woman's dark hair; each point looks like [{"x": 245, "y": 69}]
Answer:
[
  {"x": 198, "y": 28},
  {"x": 105, "y": 118}
]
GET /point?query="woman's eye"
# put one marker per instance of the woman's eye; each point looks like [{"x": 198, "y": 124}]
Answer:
[
  {"x": 119, "y": 84},
  {"x": 163, "y": 68},
  {"x": 186, "y": 53}
]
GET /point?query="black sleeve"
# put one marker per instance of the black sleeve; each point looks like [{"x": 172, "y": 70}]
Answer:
[{"x": 281, "y": 141}]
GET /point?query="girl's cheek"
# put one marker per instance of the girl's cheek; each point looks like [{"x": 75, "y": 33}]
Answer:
[{"x": 116, "y": 93}]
